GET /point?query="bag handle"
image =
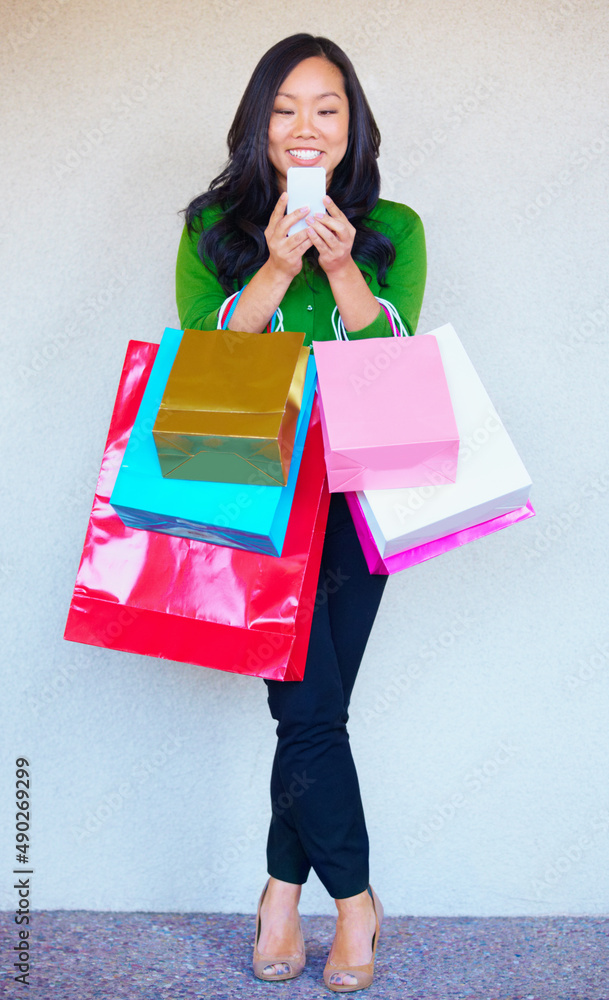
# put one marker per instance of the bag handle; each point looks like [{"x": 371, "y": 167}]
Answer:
[
  {"x": 395, "y": 321},
  {"x": 225, "y": 314}
]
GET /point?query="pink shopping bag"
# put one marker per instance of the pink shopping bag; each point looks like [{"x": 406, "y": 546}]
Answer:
[{"x": 387, "y": 417}]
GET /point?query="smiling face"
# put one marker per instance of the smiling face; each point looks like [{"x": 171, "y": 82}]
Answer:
[{"x": 309, "y": 124}]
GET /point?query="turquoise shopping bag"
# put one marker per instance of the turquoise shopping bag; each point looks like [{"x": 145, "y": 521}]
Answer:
[{"x": 239, "y": 515}]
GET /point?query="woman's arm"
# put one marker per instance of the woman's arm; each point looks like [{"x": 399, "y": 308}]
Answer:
[
  {"x": 405, "y": 281},
  {"x": 333, "y": 235},
  {"x": 264, "y": 293},
  {"x": 358, "y": 307},
  {"x": 199, "y": 294}
]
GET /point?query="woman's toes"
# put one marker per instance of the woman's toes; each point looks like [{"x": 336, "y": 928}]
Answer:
[
  {"x": 279, "y": 969},
  {"x": 343, "y": 979}
]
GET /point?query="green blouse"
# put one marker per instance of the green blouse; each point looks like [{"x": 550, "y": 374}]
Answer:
[{"x": 308, "y": 303}]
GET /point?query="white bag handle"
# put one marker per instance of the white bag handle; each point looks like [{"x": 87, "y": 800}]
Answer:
[
  {"x": 230, "y": 304},
  {"x": 395, "y": 321}
]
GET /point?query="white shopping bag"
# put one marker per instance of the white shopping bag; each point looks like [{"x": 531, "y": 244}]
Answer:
[{"x": 491, "y": 478}]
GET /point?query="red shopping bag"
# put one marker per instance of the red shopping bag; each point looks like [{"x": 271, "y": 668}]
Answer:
[{"x": 187, "y": 600}]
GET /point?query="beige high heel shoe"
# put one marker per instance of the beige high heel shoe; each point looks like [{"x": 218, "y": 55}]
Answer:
[
  {"x": 363, "y": 973},
  {"x": 295, "y": 963}
]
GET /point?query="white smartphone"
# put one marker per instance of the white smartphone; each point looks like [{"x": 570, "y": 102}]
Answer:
[{"x": 306, "y": 186}]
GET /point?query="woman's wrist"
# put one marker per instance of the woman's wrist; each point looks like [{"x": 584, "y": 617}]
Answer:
[
  {"x": 277, "y": 278},
  {"x": 356, "y": 304},
  {"x": 259, "y": 300},
  {"x": 346, "y": 273}
]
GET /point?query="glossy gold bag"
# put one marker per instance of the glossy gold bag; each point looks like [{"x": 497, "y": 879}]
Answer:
[{"x": 230, "y": 407}]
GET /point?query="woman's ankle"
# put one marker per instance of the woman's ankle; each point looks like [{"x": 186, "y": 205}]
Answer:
[
  {"x": 354, "y": 904},
  {"x": 283, "y": 893}
]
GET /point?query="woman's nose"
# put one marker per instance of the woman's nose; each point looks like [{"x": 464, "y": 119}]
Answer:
[{"x": 304, "y": 126}]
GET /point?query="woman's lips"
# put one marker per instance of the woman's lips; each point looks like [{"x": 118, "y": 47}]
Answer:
[{"x": 307, "y": 158}]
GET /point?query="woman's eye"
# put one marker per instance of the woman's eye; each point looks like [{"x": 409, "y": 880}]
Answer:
[
  {"x": 328, "y": 111},
  {"x": 282, "y": 111}
]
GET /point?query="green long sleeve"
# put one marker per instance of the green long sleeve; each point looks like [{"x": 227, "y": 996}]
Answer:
[{"x": 308, "y": 303}]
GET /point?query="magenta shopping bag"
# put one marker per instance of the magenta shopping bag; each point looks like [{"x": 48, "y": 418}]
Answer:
[{"x": 386, "y": 565}]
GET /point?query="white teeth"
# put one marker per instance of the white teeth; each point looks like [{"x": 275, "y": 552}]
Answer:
[{"x": 305, "y": 154}]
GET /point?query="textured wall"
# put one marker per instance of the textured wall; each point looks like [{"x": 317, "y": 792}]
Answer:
[{"x": 479, "y": 721}]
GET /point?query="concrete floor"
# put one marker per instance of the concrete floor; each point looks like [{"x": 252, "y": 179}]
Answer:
[{"x": 81, "y": 955}]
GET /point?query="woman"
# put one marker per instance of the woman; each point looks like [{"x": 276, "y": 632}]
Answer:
[{"x": 305, "y": 106}]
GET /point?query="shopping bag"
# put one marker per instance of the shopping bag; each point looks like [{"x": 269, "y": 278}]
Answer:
[
  {"x": 399, "y": 528},
  {"x": 240, "y": 515},
  {"x": 426, "y": 550},
  {"x": 191, "y": 601},
  {"x": 230, "y": 407},
  {"x": 387, "y": 417}
]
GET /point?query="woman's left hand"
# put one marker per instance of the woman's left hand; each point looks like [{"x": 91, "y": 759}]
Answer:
[{"x": 333, "y": 235}]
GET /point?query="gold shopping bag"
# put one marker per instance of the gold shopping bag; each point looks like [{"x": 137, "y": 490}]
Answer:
[{"x": 230, "y": 407}]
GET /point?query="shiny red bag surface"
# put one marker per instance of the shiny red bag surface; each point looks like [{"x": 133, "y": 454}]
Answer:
[{"x": 187, "y": 600}]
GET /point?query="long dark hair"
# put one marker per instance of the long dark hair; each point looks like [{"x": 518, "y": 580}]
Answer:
[{"x": 246, "y": 191}]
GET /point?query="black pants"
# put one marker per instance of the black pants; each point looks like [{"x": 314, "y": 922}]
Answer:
[{"x": 317, "y": 815}]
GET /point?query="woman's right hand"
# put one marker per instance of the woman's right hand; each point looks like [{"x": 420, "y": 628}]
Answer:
[
  {"x": 264, "y": 293},
  {"x": 285, "y": 252}
]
